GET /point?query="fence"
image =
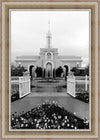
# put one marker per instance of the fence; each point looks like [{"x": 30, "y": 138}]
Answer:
[
  {"x": 20, "y": 85},
  {"x": 77, "y": 84}
]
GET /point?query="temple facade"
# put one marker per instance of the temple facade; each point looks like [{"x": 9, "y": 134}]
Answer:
[{"x": 49, "y": 60}]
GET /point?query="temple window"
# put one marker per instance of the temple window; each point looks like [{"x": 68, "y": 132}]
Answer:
[{"x": 48, "y": 55}]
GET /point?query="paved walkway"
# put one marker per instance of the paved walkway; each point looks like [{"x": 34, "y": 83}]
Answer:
[
  {"x": 25, "y": 104},
  {"x": 49, "y": 94},
  {"x": 42, "y": 92}
]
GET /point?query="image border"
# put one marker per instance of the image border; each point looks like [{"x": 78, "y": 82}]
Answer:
[{"x": 6, "y": 7}]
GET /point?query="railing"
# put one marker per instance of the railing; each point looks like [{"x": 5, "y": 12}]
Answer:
[
  {"x": 20, "y": 85},
  {"x": 77, "y": 84}
]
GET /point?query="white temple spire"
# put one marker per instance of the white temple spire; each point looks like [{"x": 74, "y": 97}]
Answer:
[
  {"x": 49, "y": 36},
  {"x": 49, "y": 25}
]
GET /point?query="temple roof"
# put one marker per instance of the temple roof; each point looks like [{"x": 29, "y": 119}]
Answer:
[
  {"x": 68, "y": 57},
  {"x": 28, "y": 57}
]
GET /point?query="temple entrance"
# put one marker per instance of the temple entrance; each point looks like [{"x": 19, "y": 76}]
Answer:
[{"x": 48, "y": 70}]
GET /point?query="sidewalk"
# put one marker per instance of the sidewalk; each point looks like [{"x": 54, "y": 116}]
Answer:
[
  {"x": 51, "y": 94},
  {"x": 25, "y": 104}
]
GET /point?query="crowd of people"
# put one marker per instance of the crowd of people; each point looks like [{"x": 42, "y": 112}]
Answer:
[
  {"x": 48, "y": 115},
  {"x": 83, "y": 96}
]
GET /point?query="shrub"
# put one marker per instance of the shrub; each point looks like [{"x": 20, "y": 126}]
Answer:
[{"x": 48, "y": 116}]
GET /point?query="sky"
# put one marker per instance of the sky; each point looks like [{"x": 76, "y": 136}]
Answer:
[{"x": 69, "y": 29}]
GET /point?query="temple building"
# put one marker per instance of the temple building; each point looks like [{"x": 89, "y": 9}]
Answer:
[{"x": 49, "y": 60}]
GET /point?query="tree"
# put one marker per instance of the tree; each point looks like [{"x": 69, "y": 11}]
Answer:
[
  {"x": 44, "y": 73},
  {"x": 87, "y": 70},
  {"x": 59, "y": 71},
  {"x": 38, "y": 71},
  {"x": 17, "y": 71},
  {"x": 80, "y": 72},
  {"x": 76, "y": 71},
  {"x": 54, "y": 71}
]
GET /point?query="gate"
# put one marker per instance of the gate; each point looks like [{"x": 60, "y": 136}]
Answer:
[
  {"x": 20, "y": 85},
  {"x": 77, "y": 84}
]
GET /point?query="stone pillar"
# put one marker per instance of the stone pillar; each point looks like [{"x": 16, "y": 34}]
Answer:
[
  {"x": 71, "y": 84},
  {"x": 35, "y": 75},
  {"x": 68, "y": 69},
  {"x": 26, "y": 73},
  {"x": 64, "y": 71},
  {"x": 33, "y": 72}
]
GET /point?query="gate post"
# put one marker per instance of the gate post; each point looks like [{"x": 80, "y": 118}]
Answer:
[
  {"x": 71, "y": 84},
  {"x": 24, "y": 85},
  {"x": 26, "y": 73},
  {"x": 29, "y": 85}
]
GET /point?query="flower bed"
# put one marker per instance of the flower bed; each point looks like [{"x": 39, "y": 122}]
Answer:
[
  {"x": 14, "y": 94},
  {"x": 83, "y": 96},
  {"x": 48, "y": 116},
  {"x": 15, "y": 97}
]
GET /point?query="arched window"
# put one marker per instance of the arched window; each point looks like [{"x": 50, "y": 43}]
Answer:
[{"x": 48, "y": 55}]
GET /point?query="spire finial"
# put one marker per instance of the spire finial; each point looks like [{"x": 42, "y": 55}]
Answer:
[{"x": 49, "y": 25}]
